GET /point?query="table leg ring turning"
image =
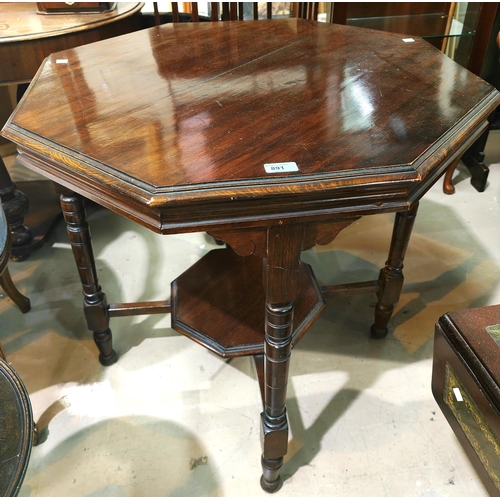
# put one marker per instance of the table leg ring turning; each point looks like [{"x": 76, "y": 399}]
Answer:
[
  {"x": 94, "y": 301},
  {"x": 274, "y": 424}
]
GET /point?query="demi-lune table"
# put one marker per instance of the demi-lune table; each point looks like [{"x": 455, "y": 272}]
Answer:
[{"x": 272, "y": 136}]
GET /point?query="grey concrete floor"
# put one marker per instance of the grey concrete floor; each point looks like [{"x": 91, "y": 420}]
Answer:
[{"x": 172, "y": 419}]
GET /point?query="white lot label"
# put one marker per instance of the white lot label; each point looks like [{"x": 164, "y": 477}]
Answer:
[
  {"x": 408, "y": 40},
  {"x": 61, "y": 61},
  {"x": 287, "y": 166},
  {"x": 458, "y": 394}
]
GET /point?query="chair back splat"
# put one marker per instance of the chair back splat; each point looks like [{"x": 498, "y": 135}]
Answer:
[{"x": 233, "y": 11}]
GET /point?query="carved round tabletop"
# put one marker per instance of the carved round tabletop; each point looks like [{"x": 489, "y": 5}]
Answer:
[{"x": 16, "y": 430}]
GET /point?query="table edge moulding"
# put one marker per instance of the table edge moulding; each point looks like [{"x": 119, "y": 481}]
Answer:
[
  {"x": 266, "y": 220},
  {"x": 410, "y": 183}
]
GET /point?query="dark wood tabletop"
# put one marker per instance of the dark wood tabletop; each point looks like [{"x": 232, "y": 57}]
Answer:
[
  {"x": 272, "y": 136},
  {"x": 190, "y": 114}
]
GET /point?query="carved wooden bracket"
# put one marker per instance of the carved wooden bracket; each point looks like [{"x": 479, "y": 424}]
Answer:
[
  {"x": 253, "y": 241},
  {"x": 323, "y": 232},
  {"x": 245, "y": 242}
]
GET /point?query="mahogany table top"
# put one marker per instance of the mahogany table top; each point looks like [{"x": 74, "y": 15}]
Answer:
[{"x": 173, "y": 126}]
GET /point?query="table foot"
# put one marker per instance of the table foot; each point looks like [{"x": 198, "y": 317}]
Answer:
[
  {"x": 103, "y": 341},
  {"x": 108, "y": 360},
  {"x": 383, "y": 313},
  {"x": 391, "y": 278},
  {"x": 376, "y": 333},
  {"x": 270, "y": 481}
]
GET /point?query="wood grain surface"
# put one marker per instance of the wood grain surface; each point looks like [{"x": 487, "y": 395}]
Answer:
[{"x": 167, "y": 124}]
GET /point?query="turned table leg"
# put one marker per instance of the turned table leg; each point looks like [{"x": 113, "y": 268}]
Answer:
[
  {"x": 94, "y": 300},
  {"x": 280, "y": 278},
  {"x": 274, "y": 424},
  {"x": 391, "y": 276}
]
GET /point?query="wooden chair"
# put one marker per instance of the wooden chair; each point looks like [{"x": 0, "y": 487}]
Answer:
[
  {"x": 233, "y": 11},
  {"x": 306, "y": 10}
]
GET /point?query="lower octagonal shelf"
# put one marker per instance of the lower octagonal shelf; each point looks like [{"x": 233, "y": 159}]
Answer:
[{"x": 219, "y": 303}]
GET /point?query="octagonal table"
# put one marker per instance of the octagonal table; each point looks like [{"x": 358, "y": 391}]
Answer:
[{"x": 272, "y": 136}]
